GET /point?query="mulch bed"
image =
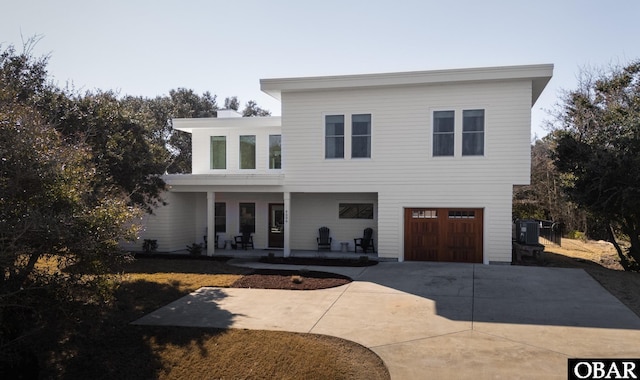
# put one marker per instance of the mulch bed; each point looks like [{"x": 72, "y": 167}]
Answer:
[
  {"x": 356, "y": 262},
  {"x": 180, "y": 256},
  {"x": 290, "y": 279}
]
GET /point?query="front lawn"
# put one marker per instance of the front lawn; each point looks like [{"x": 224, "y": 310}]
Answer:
[{"x": 97, "y": 342}]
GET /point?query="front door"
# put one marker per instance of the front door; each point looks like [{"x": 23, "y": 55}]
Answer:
[{"x": 276, "y": 225}]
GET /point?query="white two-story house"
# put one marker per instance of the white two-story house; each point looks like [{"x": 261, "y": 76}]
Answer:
[{"x": 426, "y": 159}]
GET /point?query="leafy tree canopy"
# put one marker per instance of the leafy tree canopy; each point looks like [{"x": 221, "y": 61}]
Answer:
[{"x": 596, "y": 148}]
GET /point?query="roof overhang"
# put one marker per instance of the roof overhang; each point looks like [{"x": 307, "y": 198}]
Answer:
[
  {"x": 190, "y": 124},
  {"x": 540, "y": 75},
  {"x": 178, "y": 180}
]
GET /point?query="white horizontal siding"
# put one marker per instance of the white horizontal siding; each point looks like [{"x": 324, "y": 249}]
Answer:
[
  {"x": 173, "y": 226},
  {"x": 201, "y": 145},
  {"x": 309, "y": 212},
  {"x": 494, "y": 199},
  {"x": 402, "y": 135}
]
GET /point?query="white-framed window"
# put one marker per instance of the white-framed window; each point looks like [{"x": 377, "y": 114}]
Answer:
[
  {"x": 220, "y": 217},
  {"x": 275, "y": 152},
  {"x": 361, "y": 136},
  {"x": 248, "y": 152},
  {"x": 355, "y": 210},
  {"x": 334, "y": 136},
  {"x": 473, "y": 132},
  {"x": 247, "y": 217},
  {"x": 443, "y": 133},
  {"x": 218, "y": 152}
]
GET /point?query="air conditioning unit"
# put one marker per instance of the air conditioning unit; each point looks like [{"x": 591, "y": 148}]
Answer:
[{"x": 527, "y": 232}]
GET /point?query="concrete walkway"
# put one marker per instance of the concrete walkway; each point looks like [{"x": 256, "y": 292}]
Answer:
[{"x": 437, "y": 320}]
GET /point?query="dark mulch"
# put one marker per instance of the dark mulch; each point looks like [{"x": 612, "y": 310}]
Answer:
[
  {"x": 290, "y": 279},
  {"x": 362, "y": 261},
  {"x": 179, "y": 256}
]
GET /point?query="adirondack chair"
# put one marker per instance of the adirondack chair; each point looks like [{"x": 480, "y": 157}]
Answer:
[
  {"x": 245, "y": 240},
  {"x": 324, "y": 241},
  {"x": 365, "y": 242}
]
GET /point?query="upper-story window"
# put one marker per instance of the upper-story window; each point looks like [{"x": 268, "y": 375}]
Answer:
[
  {"x": 218, "y": 152},
  {"x": 473, "y": 132},
  {"x": 361, "y": 136},
  {"x": 275, "y": 152},
  {"x": 334, "y": 136},
  {"x": 443, "y": 133},
  {"x": 248, "y": 152}
]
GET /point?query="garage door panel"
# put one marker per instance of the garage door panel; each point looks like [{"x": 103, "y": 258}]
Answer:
[{"x": 444, "y": 235}]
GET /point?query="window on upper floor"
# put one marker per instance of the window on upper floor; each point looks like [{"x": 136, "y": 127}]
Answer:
[
  {"x": 248, "y": 152},
  {"x": 473, "y": 132},
  {"x": 443, "y": 133},
  {"x": 361, "y": 136},
  {"x": 218, "y": 152},
  {"x": 334, "y": 136},
  {"x": 275, "y": 152}
]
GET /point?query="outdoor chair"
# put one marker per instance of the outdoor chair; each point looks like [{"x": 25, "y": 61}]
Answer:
[
  {"x": 245, "y": 240},
  {"x": 365, "y": 242},
  {"x": 324, "y": 241}
]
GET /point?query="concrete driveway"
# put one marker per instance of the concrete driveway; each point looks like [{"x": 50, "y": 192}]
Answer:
[{"x": 437, "y": 320}]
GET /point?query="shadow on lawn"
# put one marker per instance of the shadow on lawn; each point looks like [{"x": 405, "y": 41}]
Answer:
[{"x": 98, "y": 342}]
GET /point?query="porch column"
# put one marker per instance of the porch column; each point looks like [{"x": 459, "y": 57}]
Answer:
[
  {"x": 211, "y": 223},
  {"x": 287, "y": 235}
]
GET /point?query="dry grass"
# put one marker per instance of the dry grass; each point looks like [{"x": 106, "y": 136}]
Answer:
[
  {"x": 600, "y": 260},
  {"x": 101, "y": 344}
]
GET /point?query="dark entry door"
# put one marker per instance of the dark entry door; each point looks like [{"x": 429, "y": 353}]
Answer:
[
  {"x": 276, "y": 225},
  {"x": 443, "y": 235}
]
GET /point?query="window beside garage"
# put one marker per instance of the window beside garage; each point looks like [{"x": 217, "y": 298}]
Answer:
[{"x": 355, "y": 210}]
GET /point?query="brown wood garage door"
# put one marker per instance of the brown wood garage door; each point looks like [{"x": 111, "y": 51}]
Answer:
[{"x": 453, "y": 234}]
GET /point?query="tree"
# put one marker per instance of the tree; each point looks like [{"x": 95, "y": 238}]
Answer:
[
  {"x": 251, "y": 109},
  {"x": 597, "y": 145},
  {"x": 545, "y": 198},
  {"x": 232, "y": 103},
  {"x": 184, "y": 103},
  {"x": 57, "y": 207}
]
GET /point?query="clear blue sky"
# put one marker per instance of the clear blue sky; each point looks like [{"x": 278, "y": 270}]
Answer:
[{"x": 150, "y": 47}]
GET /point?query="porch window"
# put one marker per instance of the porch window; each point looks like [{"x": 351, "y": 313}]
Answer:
[
  {"x": 361, "y": 136},
  {"x": 473, "y": 132},
  {"x": 248, "y": 217},
  {"x": 248, "y": 152},
  {"x": 355, "y": 210},
  {"x": 334, "y": 136},
  {"x": 221, "y": 217},
  {"x": 275, "y": 152},
  {"x": 443, "y": 133},
  {"x": 218, "y": 152}
]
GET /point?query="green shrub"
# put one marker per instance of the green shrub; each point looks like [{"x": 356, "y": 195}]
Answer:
[{"x": 195, "y": 249}]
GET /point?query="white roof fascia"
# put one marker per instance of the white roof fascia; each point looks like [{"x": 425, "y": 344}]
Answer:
[
  {"x": 189, "y": 124},
  {"x": 539, "y": 74}
]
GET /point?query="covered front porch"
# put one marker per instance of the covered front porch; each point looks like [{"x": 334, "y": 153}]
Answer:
[{"x": 255, "y": 254}]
